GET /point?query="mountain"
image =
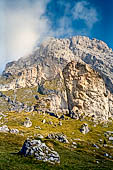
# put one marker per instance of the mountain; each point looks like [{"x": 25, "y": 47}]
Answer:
[
  {"x": 47, "y": 60},
  {"x": 56, "y": 107}
]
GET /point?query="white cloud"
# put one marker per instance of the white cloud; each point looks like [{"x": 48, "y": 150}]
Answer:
[
  {"x": 83, "y": 11},
  {"x": 64, "y": 27},
  {"x": 22, "y": 25}
]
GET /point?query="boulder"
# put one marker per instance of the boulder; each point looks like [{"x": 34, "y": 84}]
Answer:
[
  {"x": 110, "y": 138},
  {"x": 4, "y": 128},
  {"x": 38, "y": 127},
  {"x": 36, "y": 97},
  {"x": 94, "y": 145},
  {"x": 74, "y": 145},
  {"x": 40, "y": 151},
  {"x": 59, "y": 137},
  {"x": 43, "y": 121},
  {"x": 60, "y": 123},
  {"x": 14, "y": 131},
  {"x": 84, "y": 128},
  {"x": 39, "y": 136},
  {"x": 27, "y": 123}
]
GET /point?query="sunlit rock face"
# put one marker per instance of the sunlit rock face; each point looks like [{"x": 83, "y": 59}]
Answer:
[
  {"x": 86, "y": 91},
  {"x": 80, "y": 66},
  {"x": 47, "y": 60}
]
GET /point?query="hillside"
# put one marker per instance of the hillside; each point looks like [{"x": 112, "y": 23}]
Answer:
[{"x": 56, "y": 107}]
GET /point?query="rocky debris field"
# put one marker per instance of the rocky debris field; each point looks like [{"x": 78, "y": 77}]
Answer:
[
  {"x": 15, "y": 105},
  {"x": 40, "y": 137}
]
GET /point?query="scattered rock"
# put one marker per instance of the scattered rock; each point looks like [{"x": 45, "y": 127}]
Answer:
[
  {"x": 94, "y": 145},
  {"x": 97, "y": 162},
  {"x": 36, "y": 97},
  {"x": 4, "y": 128},
  {"x": 59, "y": 137},
  {"x": 40, "y": 151},
  {"x": 27, "y": 123},
  {"x": 106, "y": 154},
  {"x": 14, "y": 131},
  {"x": 15, "y": 105},
  {"x": 74, "y": 145},
  {"x": 62, "y": 117},
  {"x": 55, "y": 124},
  {"x": 50, "y": 123},
  {"x": 60, "y": 123},
  {"x": 38, "y": 127},
  {"x": 94, "y": 125},
  {"x": 100, "y": 140},
  {"x": 3, "y": 115},
  {"x": 109, "y": 132},
  {"x": 110, "y": 138},
  {"x": 43, "y": 121},
  {"x": 53, "y": 114},
  {"x": 74, "y": 115},
  {"x": 84, "y": 128},
  {"x": 39, "y": 136}
]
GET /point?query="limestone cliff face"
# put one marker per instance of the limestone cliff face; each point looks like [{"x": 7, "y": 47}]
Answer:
[
  {"x": 78, "y": 90},
  {"x": 52, "y": 56},
  {"x": 86, "y": 92}
]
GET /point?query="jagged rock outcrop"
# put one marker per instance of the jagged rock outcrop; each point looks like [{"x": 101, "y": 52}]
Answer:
[
  {"x": 80, "y": 90},
  {"x": 86, "y": 92},
  {"x": 51, "y": 57},
  {"x": 97, "y": 54},
  {"x": 14, "y": 105},
  {"x": 40, "y": 151},
  {"x": 82, "y": 93}
]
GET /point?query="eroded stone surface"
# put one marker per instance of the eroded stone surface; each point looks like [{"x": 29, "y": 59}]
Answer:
[
  {"x": 40, "y": 151},
  {"x": 52, "y": 56},
  {"x": 86, "y": 92},
  {"x": 59, "y": 137}
]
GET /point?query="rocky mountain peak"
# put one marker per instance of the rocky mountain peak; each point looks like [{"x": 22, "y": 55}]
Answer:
[{"x": 52, "y": 56}]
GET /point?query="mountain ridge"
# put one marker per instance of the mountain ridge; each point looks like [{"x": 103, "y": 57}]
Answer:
[{"x": 53, "y": 55}]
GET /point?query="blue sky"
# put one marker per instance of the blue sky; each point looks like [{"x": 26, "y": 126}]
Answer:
[
  {"x": 100, "y": 14},
  {"x": 25, "y": 23}
]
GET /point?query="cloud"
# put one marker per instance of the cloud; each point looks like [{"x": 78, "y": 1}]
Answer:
[
  {"x": 64, "y": 27},
  {"x": 23, "y": 24},
  {"x": 77, "y": 19},
  {"x": 83, "y": 11}
]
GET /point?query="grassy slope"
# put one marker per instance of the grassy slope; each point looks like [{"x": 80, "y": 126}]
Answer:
[{"x": 83, "y": 157}]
